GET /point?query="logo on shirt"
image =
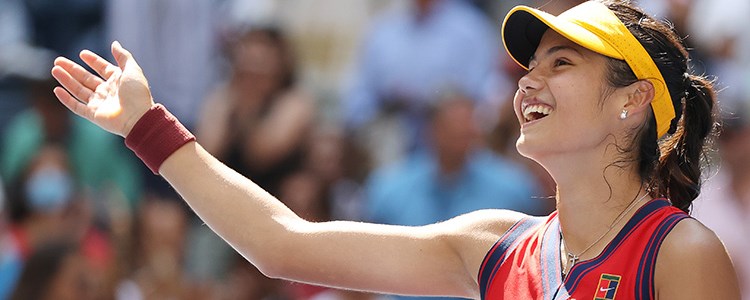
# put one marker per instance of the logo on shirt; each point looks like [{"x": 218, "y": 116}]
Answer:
[{"x": 607, "y": 287}]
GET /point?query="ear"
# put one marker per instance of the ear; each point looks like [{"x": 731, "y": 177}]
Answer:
[{"x": 640, "y": 95}]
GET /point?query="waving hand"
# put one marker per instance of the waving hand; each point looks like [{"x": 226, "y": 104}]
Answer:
[
  {"x": 439, "y": 259},
  {"x": 114, "y": 101}
]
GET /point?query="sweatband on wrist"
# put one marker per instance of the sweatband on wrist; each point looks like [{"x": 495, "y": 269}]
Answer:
[{"x": 157, "y": 135}]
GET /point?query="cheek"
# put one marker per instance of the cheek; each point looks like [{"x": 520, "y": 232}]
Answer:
[
  {"x": 578, "y": 95},
  {"x": 517, "y": 104},
  {"x": 578, "y": 109}
]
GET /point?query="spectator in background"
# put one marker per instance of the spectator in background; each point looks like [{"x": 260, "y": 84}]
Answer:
[
  {"x": 342, "y": 167},
  {"x": 244, "y": 281},
  {"x": 41, "y": 198},
  {"x": 55, "y": 271},
  {"x": 718, "y": 28},
  {"x": 112, "y": 172},
  {"x": 407, "y": 59},
  {"x": 10, "y": 257},
  {"x": 46, "y": 205},
  {"x": 455, "y": 176},
  {"x": 32, "y": 33},
  {"x": 159, "y": 265},
  {"x": 724, "y": 203},
  {"x": 66, "y": 26},
  {"x": 153, "y": 30},
  {"x": 20, "y": 58},
  {"x": 308, "y": 194},
  {"x": 258, "y": 121}
]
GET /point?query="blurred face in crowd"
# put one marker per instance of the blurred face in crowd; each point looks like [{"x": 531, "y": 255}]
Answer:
[
  {"x": 49, "y": 184},
  {"x": 48, "y": 190},
  {"x": 735, "y": 147},
  {"x": 55, "y": 117},
  {"x": 325, "y": 156},
  {"x": 70, "y": 281},
  {"x": 455, "y": 132},
  {"x": 259, "y": 64},
  {"x": 735, "y": 156},
  {"x": 55, "y": 270},
  {"x": 163, "y": 227},
  {"x": 302, "y": 193}
]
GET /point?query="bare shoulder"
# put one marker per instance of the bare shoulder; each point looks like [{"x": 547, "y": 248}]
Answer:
[{"x": 693, "y": 264}]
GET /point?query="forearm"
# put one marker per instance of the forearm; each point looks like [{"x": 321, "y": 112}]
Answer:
[
  {"x": 343, "y": 254},
  {"x": 224, "y": 199},
  {"x": 425, "y": 260}
]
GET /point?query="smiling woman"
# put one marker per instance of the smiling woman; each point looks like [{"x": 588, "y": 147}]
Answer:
[{"x": 609, "y": 108}]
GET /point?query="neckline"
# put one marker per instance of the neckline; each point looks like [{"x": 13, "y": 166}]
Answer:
[{"x": 552, "y": 262}]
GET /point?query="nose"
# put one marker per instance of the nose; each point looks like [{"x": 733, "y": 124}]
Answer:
[{"x": 529, "y": 82}]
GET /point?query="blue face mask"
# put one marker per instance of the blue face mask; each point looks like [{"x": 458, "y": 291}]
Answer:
[{"x": 49, "y": 189}]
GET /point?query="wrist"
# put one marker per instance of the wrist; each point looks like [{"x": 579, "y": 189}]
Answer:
[
  {"x": 156, "y": 135},
  {"x": 133, "y": 119}
]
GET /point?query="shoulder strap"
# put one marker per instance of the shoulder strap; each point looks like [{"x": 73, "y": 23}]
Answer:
[
  {"x": 496, "y": 255},
  {"x": 645, "y": 278}
]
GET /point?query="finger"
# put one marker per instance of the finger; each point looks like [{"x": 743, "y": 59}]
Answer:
[
  {"x": 80, "y": 74},
  {"x": 71, "y": 103},
  {"x": 99, "y": 64},
  {"x": 74, "y": 87},
  {"x": 122, "y": 55}
]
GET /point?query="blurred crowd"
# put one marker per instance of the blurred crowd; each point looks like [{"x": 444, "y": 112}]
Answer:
[{"x": 393, "y": 112}]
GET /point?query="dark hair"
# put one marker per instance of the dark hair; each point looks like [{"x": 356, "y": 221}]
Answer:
[
  {"x": 671, "y": 166},
  {"x": 41, "y": 269},
  {"x": 278, "y": 39}
]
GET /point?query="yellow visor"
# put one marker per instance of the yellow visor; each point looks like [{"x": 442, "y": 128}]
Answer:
[{"x": 593, "y": 26}]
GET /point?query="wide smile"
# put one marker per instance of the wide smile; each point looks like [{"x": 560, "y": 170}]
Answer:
[{"x": 534, "y": 112}]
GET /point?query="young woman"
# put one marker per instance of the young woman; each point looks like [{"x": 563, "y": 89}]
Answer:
[{"x": 608, "y": 107}]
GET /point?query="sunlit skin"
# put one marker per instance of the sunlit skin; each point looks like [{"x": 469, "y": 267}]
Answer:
[
  {"x": 569, "y": 80},
  {"x": 574, "y": 142},
  {"x": 443, "y": 258},
  {"x": 101, "y": 100}
]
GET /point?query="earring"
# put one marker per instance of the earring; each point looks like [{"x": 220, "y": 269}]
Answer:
[{"x": 624, "y": 115}]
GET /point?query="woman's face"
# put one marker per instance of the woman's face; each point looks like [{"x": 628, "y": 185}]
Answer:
[
  {"x": 560, "y": 102},
  {"x": 258, "y": 63}
]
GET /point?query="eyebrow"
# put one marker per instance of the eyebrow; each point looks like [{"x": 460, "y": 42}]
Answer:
[{"x": 555, "y": 49}]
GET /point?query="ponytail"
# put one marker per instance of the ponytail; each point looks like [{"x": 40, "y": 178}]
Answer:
[
  {"x": 678, "y": 174},
  {"x": 670, "y": 166}
]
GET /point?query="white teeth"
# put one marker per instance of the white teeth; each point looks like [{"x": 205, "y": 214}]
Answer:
[{"x": 536, "y": 108}]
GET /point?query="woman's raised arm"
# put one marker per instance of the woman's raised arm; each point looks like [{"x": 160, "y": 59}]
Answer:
[{"x": 439, "y": 259}]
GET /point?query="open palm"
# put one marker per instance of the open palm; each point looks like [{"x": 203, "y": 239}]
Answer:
[{"x": 115, "y": 101}]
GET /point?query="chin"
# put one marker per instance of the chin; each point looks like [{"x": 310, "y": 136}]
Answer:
[
  {"x": 537, "y": 149},
  {"x": 526, "y": 148}
]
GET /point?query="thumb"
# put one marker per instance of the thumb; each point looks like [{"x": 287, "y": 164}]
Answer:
[
  {"x": 121, "y": 54},
  {"x": 126, "y": 62}
]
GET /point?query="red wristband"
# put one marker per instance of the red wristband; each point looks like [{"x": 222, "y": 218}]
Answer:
[{"x": 157, "y": 135}]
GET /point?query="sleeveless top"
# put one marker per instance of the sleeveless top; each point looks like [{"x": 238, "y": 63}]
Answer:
[{"x": 525, "y": 262}]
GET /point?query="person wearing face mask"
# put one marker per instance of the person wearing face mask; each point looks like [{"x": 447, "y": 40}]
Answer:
[
  {"x": 113, "y": 174},
  {"x": 46, "y": 204},
  {"x": 609, "y": 107},
  {"x": 40, "y": 198},
  {"x": 35, "y": 208}
]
